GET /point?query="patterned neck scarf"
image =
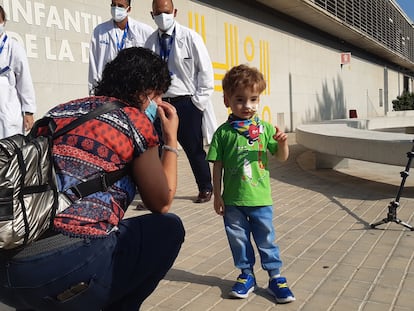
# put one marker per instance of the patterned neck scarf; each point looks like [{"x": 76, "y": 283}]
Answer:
[{"x": 249, "y": 128}]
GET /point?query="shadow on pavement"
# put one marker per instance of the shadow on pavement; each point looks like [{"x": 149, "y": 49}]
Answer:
[
  {"x": 300, "y": 171},
  {"x": 177, "y": 275}
]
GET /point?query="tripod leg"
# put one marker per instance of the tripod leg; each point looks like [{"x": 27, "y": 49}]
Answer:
[
  {"x": 381, "y": 222},
  {"x": 396, "y": 220},
  {"x": 399, "y": 221},
  {"x": 392, "y": 207},
  {"x": 391, "y": 215}
]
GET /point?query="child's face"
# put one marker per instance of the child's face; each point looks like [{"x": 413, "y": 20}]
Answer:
[{"x": 244, "y": 102}]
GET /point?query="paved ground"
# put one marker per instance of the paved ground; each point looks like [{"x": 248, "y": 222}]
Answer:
[{"x": 333, "y": 260}]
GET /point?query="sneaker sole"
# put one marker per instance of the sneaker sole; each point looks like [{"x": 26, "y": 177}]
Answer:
[
  {"x": 237, "y": 295},
  {"x": 281, "y": 300}
]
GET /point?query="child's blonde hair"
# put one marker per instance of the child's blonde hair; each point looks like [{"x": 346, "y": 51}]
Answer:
[{"x": 245, "y": 77}]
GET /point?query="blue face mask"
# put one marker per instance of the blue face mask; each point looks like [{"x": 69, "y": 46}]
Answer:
[{"x": 151, "y": 110}]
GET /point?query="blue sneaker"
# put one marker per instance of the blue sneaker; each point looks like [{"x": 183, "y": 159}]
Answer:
[
  {"x": 244, "y": 285},
  {"x": 279, "y": 288}
]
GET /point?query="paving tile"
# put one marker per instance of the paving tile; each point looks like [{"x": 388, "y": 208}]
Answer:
[{"x": 332, "y": 259}]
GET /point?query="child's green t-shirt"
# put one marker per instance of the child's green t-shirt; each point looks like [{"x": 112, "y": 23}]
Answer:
[{"x": 246, "y": 180}]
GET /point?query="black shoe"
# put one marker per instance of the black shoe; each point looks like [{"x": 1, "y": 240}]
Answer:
[
  {"x": 203, "y": 196},
  {"x": 141, "y": 207}
]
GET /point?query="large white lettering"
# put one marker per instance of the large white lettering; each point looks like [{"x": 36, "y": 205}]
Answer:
[
  {"x": 40, "y": 15},
  {"x": 85, "y": 52},
  {"x": 65, "y": 52},
  {"x": 53, "y": 49},
  {"x": 39, "y": 11},
  {"x": 36, "y": 13},
  {"x": 75, "y": 22},
  {"x": 19, "y": 10},
  {"x": 53, "y": 19},
  {"x": 31, "y": 46},
  {"x": 48, "y": 48},
  {"x": 95, "y": 21}
]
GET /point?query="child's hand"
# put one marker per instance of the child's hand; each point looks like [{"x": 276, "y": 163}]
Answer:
[
  {"x": 280, "y": 136},
  {"x": 282, "y": 152},
  {"x": 219, "y": 205}
]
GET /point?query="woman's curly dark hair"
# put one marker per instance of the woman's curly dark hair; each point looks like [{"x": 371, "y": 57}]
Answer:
[{"x": 135, "y": 71}]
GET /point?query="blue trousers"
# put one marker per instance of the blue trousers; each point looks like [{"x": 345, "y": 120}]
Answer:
[
  {"x": 114, "y": 273},
  {"x": 243, "y": 221}
]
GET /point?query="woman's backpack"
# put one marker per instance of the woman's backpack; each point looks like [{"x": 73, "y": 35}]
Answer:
[{"x": 29, "y": 197}]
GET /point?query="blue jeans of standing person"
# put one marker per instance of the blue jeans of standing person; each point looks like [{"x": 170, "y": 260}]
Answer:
[
  {"x": 243, "y": 221},
  {"x": 114, "y": 273}
]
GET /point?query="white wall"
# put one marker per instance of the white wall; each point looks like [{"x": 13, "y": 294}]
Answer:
[{"x": 305, "y": 79}]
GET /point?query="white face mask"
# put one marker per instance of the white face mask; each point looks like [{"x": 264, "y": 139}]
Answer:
[
  {"x": 1, "y": 28},
  {"x": 164, "y": 21},
  {"x": 118, "y": 14}
]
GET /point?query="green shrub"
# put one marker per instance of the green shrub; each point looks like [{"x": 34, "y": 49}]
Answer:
[{"x": 404, "y": 102}]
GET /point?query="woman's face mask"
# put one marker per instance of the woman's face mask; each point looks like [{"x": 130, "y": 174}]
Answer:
[
  {"x": 164, "y": 21},
  {"x": 118, "y": 13},
  {"x": 151, "y": 110},
  {"x": 1, "y": 28}
]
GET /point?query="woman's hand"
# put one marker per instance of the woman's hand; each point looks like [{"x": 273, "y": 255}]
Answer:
[
  {"x": 169, "y": 122},
  {"x": 157, "y": 180}
]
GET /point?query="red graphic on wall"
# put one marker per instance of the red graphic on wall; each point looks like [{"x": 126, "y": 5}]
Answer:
[{"x": 345, "y": 58}]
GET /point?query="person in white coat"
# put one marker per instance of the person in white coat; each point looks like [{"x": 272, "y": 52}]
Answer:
[
  {"x": 191, "y": 88},
  {"x": 108, "y": 38},
  {"x": 17, "y": 96}
]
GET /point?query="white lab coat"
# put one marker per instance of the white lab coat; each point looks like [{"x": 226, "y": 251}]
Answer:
[
  {"x": 16, "y": 87},
  {"x": 189, "y": 62},
  {"x": 103, "y": 46}
]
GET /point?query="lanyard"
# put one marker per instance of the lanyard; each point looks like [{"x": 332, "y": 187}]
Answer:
[
  {"x": 121, "y": 44},
  {"x": 3, "y": 42},
  {"x": 4, "y": 70}
]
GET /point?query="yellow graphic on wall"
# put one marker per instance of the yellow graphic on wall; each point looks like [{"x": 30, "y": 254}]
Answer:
[
  {"x": 231, "y": 44},
  {"x": 232, "y": 55},
  {"x": 197, "y": 21}
]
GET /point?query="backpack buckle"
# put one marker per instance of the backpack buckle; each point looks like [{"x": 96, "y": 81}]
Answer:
[
  {"x": 76, "y": 191},
  {"x": 104, "y": 182}
]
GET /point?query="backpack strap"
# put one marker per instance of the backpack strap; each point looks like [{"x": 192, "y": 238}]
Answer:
[
  {"x": 105, "y": 180},
  {"x": 49, "y": 123},
  {"x": 100, "y": 183},
  {"x": 106, "y": 107}
]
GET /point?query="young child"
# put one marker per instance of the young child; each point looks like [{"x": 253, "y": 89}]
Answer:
[{"x": 239, "y": 149}]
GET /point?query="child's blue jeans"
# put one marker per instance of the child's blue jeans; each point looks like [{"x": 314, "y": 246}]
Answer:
[
  {"x": 243, "y": 221},
  {"x": 113, "y": 273}
]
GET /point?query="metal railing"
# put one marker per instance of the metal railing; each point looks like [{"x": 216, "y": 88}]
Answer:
[{"x": 381, "y": 20}]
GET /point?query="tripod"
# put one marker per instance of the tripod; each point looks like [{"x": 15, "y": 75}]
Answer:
[{"x": 392, "y": 207}]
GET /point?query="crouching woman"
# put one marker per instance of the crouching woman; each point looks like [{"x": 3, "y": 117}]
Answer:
[{"x": 94, "y": 259}]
